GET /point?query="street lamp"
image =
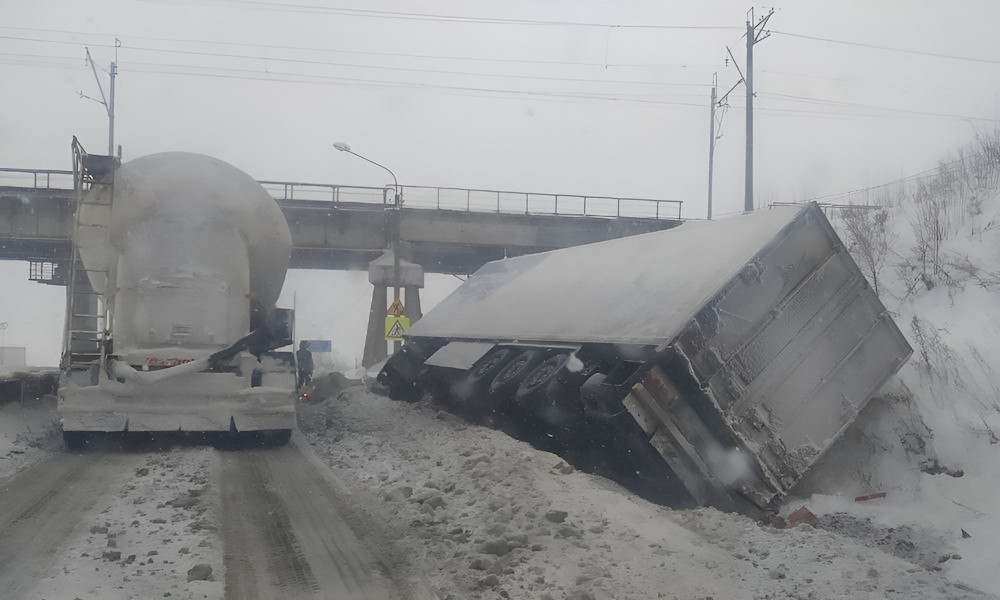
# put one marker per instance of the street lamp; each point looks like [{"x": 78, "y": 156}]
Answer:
[
  {"x": 395, "y": 185},
  {"x": 393, "y": 219}
]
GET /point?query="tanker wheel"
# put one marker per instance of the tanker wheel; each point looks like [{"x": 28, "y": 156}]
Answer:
[
  {"x": 510, "y": 377},
  {"x": 75, "y": 440},
  {"x": 274, "y": 438}
]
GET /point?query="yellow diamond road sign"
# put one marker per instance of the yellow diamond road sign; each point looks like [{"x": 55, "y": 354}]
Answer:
[{"x": 395, "y": 327}]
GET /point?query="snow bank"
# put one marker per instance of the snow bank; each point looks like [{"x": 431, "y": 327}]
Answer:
[
  {"x": 28, "y": 433},
  {"x": 930, "y": 442},
  {"x": 482, "y": 515}
]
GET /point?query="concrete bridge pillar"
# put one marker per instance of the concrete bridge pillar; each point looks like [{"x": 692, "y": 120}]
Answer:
[{"x": 382, "y": 276}]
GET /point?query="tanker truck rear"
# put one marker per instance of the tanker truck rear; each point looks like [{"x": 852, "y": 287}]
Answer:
[
  {"x": 171, "y": 322},
  {"x": 713, "y": 363}
]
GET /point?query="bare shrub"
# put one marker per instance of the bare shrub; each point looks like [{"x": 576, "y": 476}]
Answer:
[
  {"x": 869, "y": 240},
  {"x": 936, "y": 358}
]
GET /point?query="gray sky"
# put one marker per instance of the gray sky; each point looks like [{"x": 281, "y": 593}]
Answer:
[
  {"x": 595, "y": 97},
  {"x": 525, "y": 96}
]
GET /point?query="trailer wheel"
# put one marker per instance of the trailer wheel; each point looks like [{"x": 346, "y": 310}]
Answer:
[
  {"x": 471, "y": 392},
  {"x": 600, "y": 404},
  {"x": 487, "y": 369},
  {"x": 509, "y": 378},
  {"x": 544, "y": 395}
]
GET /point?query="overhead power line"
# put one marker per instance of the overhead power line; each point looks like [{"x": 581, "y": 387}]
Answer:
[
  {"x": 870, "y": 106},
  {"x": 888, "y": 48},
  {"x": 908, "y": 178},
  {"x": 407, "y": 55},
  {"x": 287, "y": 77},
  {"x": 385, "y": 14}
]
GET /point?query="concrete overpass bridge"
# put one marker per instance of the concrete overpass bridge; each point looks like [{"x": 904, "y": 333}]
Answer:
[
  {"x": 448, "y": 230},
  {"x": 442, "y": 230}
]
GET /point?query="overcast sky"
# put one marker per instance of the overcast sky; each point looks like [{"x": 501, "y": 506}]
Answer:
[
  {"x": 568, "y": 96},
  {"x": 595, "y": 97}
]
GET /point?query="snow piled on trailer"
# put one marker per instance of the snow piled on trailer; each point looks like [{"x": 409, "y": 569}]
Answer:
[
  {"x": 636, "y": 290},
  {"x": 486, "y": 516}
]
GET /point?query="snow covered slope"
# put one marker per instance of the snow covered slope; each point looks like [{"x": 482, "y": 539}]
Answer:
[
  {"x": 930, "y": 442},
  {"x": 487, "y": 516}
]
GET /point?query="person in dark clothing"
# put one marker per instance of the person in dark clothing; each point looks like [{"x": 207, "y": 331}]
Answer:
[{"x": 304, "y": 358}]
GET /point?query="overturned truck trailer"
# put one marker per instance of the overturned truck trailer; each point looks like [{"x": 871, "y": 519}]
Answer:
[{"x": 710, "y": 364}]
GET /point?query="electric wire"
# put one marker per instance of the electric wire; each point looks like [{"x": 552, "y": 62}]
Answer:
[{"x": 888, "y": 48}]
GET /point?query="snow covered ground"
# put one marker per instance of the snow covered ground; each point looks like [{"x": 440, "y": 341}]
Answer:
[
  {"x": 488, "y": 516},
  {"x": 28, "y": 433},
  {"x": 479, "y": 515},
  {"x": 491, "y": 516}
]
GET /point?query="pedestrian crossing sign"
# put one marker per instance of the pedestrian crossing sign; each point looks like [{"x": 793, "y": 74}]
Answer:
[{"x": 395, "y": 327}]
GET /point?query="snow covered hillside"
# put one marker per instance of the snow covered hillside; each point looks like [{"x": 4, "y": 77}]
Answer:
[{"x": 930, "y": 441}]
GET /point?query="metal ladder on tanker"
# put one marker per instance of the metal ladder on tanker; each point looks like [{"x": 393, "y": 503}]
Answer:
[{"x": 86, "y": 341}]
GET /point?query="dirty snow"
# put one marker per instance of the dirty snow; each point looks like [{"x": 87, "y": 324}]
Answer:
[
  {"x": 29, "y": 432},
  {"x": 485, "y": 515},
  {"x": 480, "y": 515},
  {"x": 156, "y": 537}
]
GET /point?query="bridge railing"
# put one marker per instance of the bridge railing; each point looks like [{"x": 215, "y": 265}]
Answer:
[
  {"x": 414, "y": 196},
  {"x": 38, "y": 179},
  {"x": 476, "y": 200}
]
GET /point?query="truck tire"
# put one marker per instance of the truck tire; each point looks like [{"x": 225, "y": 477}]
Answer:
[
  {"x": 601, "y": 403},
  {"x": 403, "y": 391},
  {"x": 484, "y": 371},
  {"x": 471, "y": 393},
  {"x": 543, "y": 395},
  {"x": 75, "y": 440},
  {"x": 510, "y": 377},
  {"x": 274, "y": 438}
]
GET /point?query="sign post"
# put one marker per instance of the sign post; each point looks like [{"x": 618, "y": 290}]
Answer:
[{"x": 395, "y": 323}]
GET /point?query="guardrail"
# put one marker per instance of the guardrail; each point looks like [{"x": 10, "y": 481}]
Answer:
[
  {"x": 414, "y": 196},
  {"x": 38, "y": 179},
  {"x": 476, "y": 200}
]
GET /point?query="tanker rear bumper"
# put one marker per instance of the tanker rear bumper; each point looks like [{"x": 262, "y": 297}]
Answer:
[{"x": 118, "y": 407}]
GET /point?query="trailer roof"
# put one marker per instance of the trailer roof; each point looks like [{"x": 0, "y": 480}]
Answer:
[{"x": 636, "y": 290}]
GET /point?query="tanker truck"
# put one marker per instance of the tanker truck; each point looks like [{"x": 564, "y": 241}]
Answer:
[
  {"x": 171, "y": 325},
  {"x": 709, "y": 364}
]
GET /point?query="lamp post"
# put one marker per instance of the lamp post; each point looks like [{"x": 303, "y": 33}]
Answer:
[
  {"x": 393, "y": 220},
  {"x": 395, "y": 184}
]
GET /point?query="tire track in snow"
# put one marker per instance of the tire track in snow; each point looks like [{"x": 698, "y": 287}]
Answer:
[
  {"x": 42, "y": 506},
  {"x": 283, "y": 533}
]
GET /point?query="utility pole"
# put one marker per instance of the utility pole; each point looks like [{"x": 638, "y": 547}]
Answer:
[
  {"x": 109, "y": 100},
  {"x": 754, "y": 35},
  {"x": 711, "y": 145}
]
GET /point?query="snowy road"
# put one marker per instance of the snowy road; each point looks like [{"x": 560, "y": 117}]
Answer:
[
  {"x": 185, "y": 522},
  {"x": 282, "y": 531},
  {"x": 41, "y": 508},
  {"x": 381, "y": 500}
]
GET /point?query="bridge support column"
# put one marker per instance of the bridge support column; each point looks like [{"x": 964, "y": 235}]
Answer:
[
  {"x": 411, "y": 301},
  {"x": 375, "y": 349},
  {"x": 382, "y": 276}
]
